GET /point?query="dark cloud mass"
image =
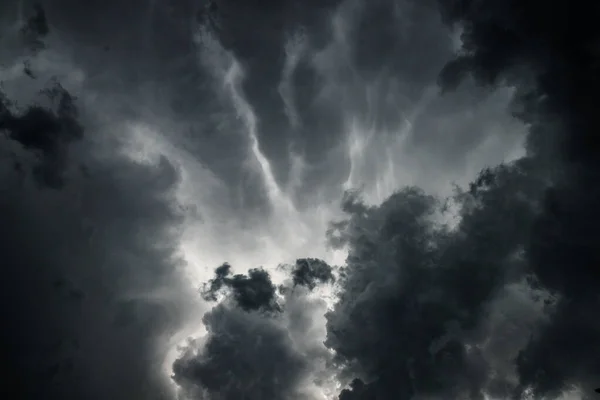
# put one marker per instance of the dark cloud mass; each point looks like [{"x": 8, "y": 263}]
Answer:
[
  {"x": 490, "y": 292},
  {"x": 44, "y": 131},
  {"x": 252, "y": 292},
  {"x": 548, "y": 231},
  {"x": 414, "y": 293},
  {"x": 412, "y": 318},
  {"x": 88, "y": 244},
  {"x": 249, "y": 351},
  {"x": 557, "y": 46},
  {"x": 246, "y": 356},
  {"x": 309, "y": 272},
  {"x": 35, "y": 29}
]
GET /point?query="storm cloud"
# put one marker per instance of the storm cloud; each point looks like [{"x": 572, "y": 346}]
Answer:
[
  {"x": 426, "y": 308},
  {"x": 550, "y": 240},
  {"x": 399, "y": 198},
  {"x": 256, "y": 345},
  {"x": 88, "y": 243},
  {"x": 557, "y": 96}
]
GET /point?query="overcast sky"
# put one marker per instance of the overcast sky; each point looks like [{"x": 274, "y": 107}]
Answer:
[{"x": 180, "y": 135}]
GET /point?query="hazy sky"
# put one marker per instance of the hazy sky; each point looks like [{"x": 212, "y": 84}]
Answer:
[{"x": 184, "y": 134}]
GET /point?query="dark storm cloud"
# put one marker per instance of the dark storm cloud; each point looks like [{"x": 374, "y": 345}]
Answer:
[
  {"x": 75, "y": 260},
  {"x": 145, "y": 49},
  {"x": 515, "y": 230},
  {"x": 246, "y": 356},
  {"x": 414, "y": 294},
  {"x": 89, "y": 256},
  {"x": 553, "y": 70},
  {"x": 310, "y": 70},
  {"x": 309, "y": 272},
  {"x": 45, "y": 132},
  {"x": 257, "y": 32},
  {"x": 251, "y": 292},
  {"x": 291, "y": 54},
  {"x": 550, "y": 51},
  {"x": 35, "y": 29},
  {"x": 255, "y": 291},
  {"x": 251, "y": 351},
  {"x": 413, "y": 317},
  {"x": 412, "y": 314},
  {"x": 422, "y": 309}
]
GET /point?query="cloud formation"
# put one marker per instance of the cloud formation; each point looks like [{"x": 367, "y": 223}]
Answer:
[
  {"x": 91, "y": 287},
  {"x": 486, "y": 292},
  {"x": 425, "y": 309},
  {"x": 554, "y": 66},
  {"x": 254, "y": 348}
]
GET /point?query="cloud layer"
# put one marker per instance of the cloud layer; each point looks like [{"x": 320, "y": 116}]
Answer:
[
  {"x": 416, "y": 315},
  {"x": 89, "y": 244},
  {"x": 137, "y": 157}
]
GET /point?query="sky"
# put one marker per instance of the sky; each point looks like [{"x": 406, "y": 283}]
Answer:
[{"x": 299, "y": 200}]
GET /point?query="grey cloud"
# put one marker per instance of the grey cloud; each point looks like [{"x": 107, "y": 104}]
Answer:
[
  {"x": 256, "y": 291},
  {"x": 408, "y": 281},
  {"x": 556, "y": 93},
  {"x": 246, "y": 356},
  {"x": 150, "y": 41},
  {"x": 92, "y": 273},
  {"x": 75, "y": 260},
  {"x": 45, "y": 132},
  {"x": 502, "y": 303},
  {"x": 335, "y": 65},
  {"x": 251, "y": 292},
  {"x": 547, "y": 233},
  {"x": 35, "y": 28},
  {"x": 258, "y": 345},
  {"x": 309, "y": 272},
  {"x": 411, "y": 317}
]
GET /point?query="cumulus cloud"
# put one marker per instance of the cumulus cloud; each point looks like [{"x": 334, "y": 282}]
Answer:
[
  {"x": 245, "y": 356},
  {"x": 430, "y": 310},
  {"x": 309, "y": 272},
  {"x": 256, "y": 345},
  {"x": 486, "y": 291},
  {"x": 252, "y": 292},
  {"x": 412, "y": 314},
  {"x": 553, "y": 66},
  {"x": 415, "y": 293}
]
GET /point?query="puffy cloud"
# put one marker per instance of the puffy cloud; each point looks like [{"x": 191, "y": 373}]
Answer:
[
  {"x": 309, "y": 272},
  {"x": 252, "y": 292},
  {"x": 553, "y": 65},
  {"x": 498, "y": 302},
  {"x": 258, "y": 344},
  {"x": 245, "y": 356},
  {"x": 45, "y": 132},
  {"x": 426, "y": 309},
  {"x": 415, "y": 293}
]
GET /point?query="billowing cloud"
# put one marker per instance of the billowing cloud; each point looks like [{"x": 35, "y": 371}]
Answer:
[
  {"x": 415, "y": 293},
  {"x": 309, "y": 272},
  {"x": 554, "y": 66},
  {"x": 252, "y": 292},
  {"x": 140, "y": 153},
  {"x": 91, "y": 287},
  {"x": 245, "y": 356},
  {"x": 255, "y": 346},
  {"x": 430, "y": 310}
]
